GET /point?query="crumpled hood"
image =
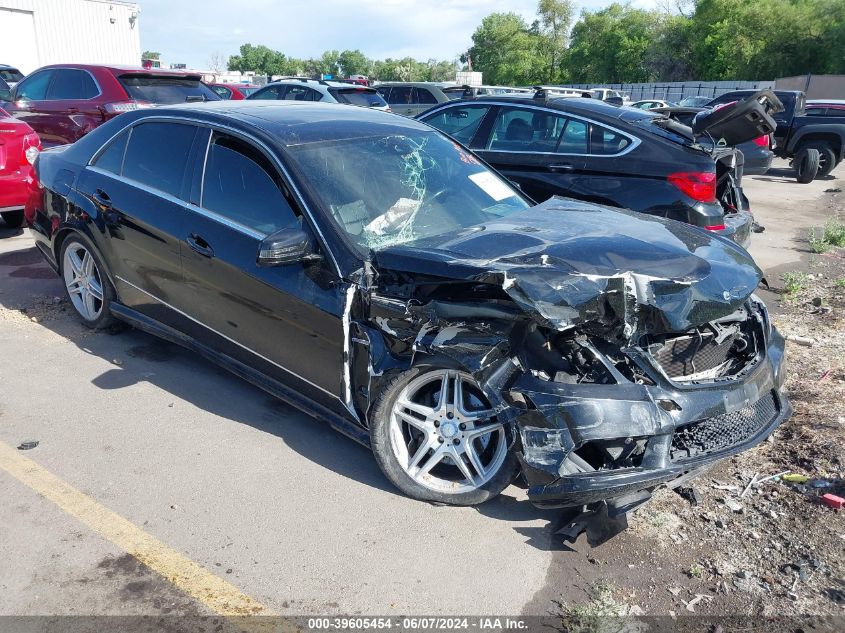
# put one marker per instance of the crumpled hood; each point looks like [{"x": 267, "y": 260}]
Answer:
[{"x": 566, "y": 263}]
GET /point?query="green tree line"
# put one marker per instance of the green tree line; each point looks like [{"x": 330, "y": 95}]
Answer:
[
  {"x": 266, "y": 61},
  {"x": 685, "y": 40}
]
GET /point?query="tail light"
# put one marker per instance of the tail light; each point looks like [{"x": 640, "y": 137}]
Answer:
[
  {"x": 715, "y": 227},
  {"x": 698, "y": 185},
  {"x": 31, "y": 147},
  {"x": 762, "y": 141},
  {"x": 119, "y": 107}
]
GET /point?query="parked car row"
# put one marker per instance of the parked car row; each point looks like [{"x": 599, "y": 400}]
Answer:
[
  {"x": 593, "y": 151},
  {"x": 377, "y": 274}
]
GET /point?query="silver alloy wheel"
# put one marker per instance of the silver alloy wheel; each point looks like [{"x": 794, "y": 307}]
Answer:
[
  {"x": 83, "y": 281},
  {"x": 444, "y": 433}
]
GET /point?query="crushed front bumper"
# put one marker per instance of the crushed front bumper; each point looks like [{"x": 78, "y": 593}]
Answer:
[{"x": 563, "y": 418}]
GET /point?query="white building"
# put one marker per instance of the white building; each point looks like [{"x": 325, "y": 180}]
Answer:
[{"x": 34, "y": 33}]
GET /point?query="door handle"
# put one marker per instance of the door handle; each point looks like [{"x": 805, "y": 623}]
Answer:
[
  {"x": 102, "y": 199},
  {"x": 561, "y": 167},
  {"x": 73, "y": 110},
  {"x": 199, "y": 245}
]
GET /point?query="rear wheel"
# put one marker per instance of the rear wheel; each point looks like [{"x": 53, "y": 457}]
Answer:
[
  {"x": 13, "y": 219},
  {"x": 437, "y": 438},
  {"x": 806, "y": 164},
  {"x": 87, "y": 287}
]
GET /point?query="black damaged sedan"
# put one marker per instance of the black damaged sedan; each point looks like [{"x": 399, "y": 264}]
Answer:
[{"x": 375, "y": 274}]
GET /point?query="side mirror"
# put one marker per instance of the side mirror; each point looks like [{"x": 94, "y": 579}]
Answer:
[{"x": 286, "y": 246}]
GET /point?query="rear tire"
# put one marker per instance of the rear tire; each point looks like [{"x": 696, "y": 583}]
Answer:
[
  {"x": 827, "y": 158},
  {"x": 14, "y": 219},
  {"x": 87, "y": 286},
  {"x": 806, "y": 164}
]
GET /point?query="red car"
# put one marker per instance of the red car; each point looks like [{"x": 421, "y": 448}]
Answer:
[
  {"x": 64, "y": 102},
  {"x": 19, "y": 146},
  {"x": 233, "y": 92}
]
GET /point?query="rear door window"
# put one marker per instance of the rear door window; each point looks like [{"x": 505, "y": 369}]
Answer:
[
  {"x": 166, "y": 90},
  {"x": 241, "y": 184},
  {"x": 424, "y": 96},
  {"x": 574, "y": 138},
  {"x": 157, "y": 155},
  {"x": 270, "y": 93},
  {"x": 72, "y": 84},
  {"x": 302, "y": 93},
  {"x": 111, "y": 159},
  {"x": 526, "y": 130},
  {"x": 460, "y": 122},
  {"x": 358, "y": 97},
  {"x": 384, "y": 91},
  {"x": 34, "y": 87},
  {"x": 401, "y": 95}
]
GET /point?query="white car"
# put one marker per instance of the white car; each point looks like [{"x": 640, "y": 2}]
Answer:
[
  {"x": 10, "y": 75},
  {"x": 606, "y": 93},
  {"x": 319, "y": 90},
  {"x": 651, "y": 104}
]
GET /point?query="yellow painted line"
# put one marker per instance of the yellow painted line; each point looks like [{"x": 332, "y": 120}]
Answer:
[{"x": 218, "y": 595}]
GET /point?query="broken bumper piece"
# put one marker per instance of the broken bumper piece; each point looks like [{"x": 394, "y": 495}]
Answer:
[{"x": 583, "y": 443}]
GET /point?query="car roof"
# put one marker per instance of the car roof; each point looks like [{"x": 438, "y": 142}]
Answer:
[
  {"x": 420, "y": 84},
  {"x": 7, "y": 67},
  {"x": 575, "y": 105},
  {"x": 293, "y": 122},
  {"x": 121, "y": 70},
  {"x": 316, "y": 83}
]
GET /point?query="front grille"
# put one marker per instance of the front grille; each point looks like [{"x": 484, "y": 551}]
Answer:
[
  {"x": 691, "y": 354},
  {"x": 723, "y": 431}
]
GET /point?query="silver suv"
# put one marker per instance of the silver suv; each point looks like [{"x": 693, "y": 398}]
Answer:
[{"x": 319, "y": 90}]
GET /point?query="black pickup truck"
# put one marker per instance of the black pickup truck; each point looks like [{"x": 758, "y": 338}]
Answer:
[{"x": 796, "y": 131}]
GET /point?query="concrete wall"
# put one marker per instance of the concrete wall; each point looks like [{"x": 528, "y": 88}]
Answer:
[
  {"x": 816, "y": 86},
  {"x": 69, "y": 31}
]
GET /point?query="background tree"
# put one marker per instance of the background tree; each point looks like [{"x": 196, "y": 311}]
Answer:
[
  {"x": 354, "y": 63},
  {"x": 555, "y": 20},
  {"x": 506, "y": 50},
  {"x": 742, "y": 39},
  {"x": 150, "y": 55},
  {"x": 260, "y": 59},
  {"x": 610, "y": 46}
]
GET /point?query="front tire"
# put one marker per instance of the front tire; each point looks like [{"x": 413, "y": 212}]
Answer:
[
  {"x": 87, "y": 287},
  {"x": 14, "y": 219},
  {"x": 437, "y": 438}
]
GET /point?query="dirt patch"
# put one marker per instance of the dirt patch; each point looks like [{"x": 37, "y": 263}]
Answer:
[{"x": 37, "y": 310}]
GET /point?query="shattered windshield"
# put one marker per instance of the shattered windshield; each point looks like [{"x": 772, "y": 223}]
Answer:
[{"x": 396, "y": 188}]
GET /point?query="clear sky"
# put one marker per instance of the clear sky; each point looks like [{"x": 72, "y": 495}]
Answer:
[{"x": 192, "y": 31}]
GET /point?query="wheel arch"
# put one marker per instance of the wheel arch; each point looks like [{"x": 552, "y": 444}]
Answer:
[{"x": 829, "y": 136}]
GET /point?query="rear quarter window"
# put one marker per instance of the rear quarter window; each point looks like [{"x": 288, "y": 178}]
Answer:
[
  {"x": 111, "y": 159},
  {"x": 358, "y": 97}
]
